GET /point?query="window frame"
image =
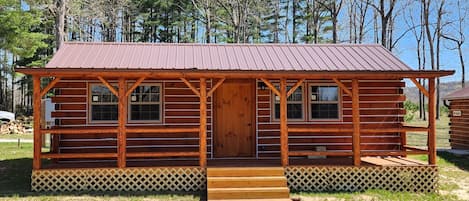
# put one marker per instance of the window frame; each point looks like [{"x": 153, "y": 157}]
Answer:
[
  {"x": 273, "y": 102},
  {"x": 129, "y": 103},
  {"x": 310, "y": 102},
  {"x": 90, "y": 104}
]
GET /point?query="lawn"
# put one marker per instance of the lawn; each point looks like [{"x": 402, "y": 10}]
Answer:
[
  {"x": 420, "y": 139},
  {"x": 15, "y": 170},
  {"x": 16, "y": 136}
]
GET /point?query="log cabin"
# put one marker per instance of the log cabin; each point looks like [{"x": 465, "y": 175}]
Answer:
[
  {"x": 234, "y": 120},
  {"x": 459, "y": 112}
]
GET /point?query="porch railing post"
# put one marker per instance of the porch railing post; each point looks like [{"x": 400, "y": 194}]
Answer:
[
  {"x": 283, "y": 122},
  {"x": 37, "y": 122},
  {"x": 431, "y": 122},
  {"x": 203, "y": 124},
  {"x": 356, "y": 123},
  {"x": 121, "y": 136}
]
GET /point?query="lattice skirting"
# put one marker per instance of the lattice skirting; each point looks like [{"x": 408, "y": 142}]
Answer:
[
  {"x": 114, "y": 179},
  {"x": 337, "y": 178}
]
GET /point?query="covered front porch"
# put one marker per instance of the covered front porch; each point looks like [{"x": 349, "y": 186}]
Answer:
[
  {"x": 287, "y": 157},
  {"x": 348, "y": 170}
]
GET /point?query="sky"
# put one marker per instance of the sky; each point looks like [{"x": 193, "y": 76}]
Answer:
[
  {"x": 406, "y": 48},
  {"x": 449, "y": 59}
]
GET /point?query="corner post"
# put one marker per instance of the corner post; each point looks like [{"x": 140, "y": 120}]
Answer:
[
  {"x": 356, "y": 123},
  {"x": 431, "y": 122},
  {"x": 283, "y": 122},
  {"x": 122, "y": 136},
  {"x": 203, "y": 124},
  {"x": 37, "y": 122}
]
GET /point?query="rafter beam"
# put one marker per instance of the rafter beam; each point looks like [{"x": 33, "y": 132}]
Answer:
[
  {"x": 342, "y": 86},
  {"x": 297, "y": 84},
  {"x": 212, "y": 90},
  {"x": 49, "y": 86},
  {"x": 134, "y": 86},
  {"x": 421, "y": 88},
  {"x": 109, "y": 86},
  {"x": 271, "y": 86},
  {"x": 196, "y": 92}
]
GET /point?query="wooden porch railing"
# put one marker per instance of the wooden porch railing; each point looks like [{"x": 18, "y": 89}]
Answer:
[
  {"x": 79, "y": 131},
  {"x": 406, "y": 150}
]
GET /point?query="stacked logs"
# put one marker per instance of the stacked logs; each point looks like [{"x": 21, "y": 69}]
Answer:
[{"x": 18, "y": 126}]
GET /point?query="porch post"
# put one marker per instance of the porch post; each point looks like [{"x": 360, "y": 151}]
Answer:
[
  {"x": 122, "y": 136},
  {"x": 203, "y": 124},
  {"x": 431, "y": 122},
  {"x": 356, "y": 122},
  {"x": 37, "y": 122},
  {"x": 283, "y": 122}
]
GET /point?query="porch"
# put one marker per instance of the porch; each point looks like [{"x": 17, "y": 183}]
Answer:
[{"x": 123, "y": 132}]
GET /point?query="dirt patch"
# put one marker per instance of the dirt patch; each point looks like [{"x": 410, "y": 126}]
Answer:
[{"x": 462, "y": 192}]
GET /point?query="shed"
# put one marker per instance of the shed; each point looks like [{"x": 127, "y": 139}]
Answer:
[
  {"x": 236, "y": 120},
  {"x": 459, "y": 113}
]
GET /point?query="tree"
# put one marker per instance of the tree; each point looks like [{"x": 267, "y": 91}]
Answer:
[
  {"x": 60, "y": 13},
  {"x": 17, "y": 40},
  {"x": 385, "y": 13},
  {"x": 204, "y": 7},
  {"x": 357, "y": 14},
  {"x": 333, "y": 7},
  {"x": 457, "y": 36}
]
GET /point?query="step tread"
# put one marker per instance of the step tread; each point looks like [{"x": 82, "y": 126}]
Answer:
[
  {"x": 245, "y": 168},
  {"x": 259, "y": 199},
  {"x": 249, "y": 189},
  {"x": 244, "y": 171},
  {"x": 246, "y": 178}
]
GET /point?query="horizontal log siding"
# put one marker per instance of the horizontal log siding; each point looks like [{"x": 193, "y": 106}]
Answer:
[
  {"x": 180, "y": 107},
  {"x": 381, "y": 106},
  {"x": 459, "y": 126}
]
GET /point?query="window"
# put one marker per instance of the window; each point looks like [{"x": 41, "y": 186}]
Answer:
[
  {"x": 324, "y": 102},
  {"x": 294, "y": 104},
  {"x": 145, "y": 103},
  {"x": 103, "y": 104}
]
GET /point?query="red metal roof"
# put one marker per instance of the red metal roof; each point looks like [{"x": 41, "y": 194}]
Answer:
[
  {"x": 256, "y": 57},
  {"x": 458, "y": 94}
]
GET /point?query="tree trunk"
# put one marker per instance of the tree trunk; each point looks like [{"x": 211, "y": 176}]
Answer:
[
  {"x": 60, "y": 22},
  {"x": 208, "y": 25},
  {"x": 463, "y": 69}
]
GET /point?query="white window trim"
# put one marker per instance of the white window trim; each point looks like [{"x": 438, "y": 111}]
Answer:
[
  {"x": 129, "y": 103},
  {"x": 339, "y": 101},
  {"x": 303, "y": 108},
  {"x": 91, "y": 103}
]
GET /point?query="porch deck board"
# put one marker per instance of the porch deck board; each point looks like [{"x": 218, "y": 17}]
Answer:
[
  {"x": 391, "y": 161},
  {"x": 332, "y": 161}
]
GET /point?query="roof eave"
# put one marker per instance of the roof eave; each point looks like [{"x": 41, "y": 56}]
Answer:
[{"x": 93, "y": 72}]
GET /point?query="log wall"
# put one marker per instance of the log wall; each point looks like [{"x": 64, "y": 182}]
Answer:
[
  {"x": 459, "y": 125},
  {"x": 381, "y": 106},
  {"x": 181, "y": 110}
]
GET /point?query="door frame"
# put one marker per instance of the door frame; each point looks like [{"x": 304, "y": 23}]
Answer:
[{"x": 253, "y": 83}]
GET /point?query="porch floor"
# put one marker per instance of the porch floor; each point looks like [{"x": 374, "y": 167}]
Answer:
[{"x": 244, "y": 162}]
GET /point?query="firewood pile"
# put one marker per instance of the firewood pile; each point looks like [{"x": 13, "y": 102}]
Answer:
[{"x": 19, "y": 126}]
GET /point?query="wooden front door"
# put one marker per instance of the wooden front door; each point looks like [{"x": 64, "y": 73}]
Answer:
[{"x": 234, "y": 124}]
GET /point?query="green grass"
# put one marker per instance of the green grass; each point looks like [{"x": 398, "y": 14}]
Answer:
[
  {"x": 420, "y": 139},
  {"x": 376, "y": 195},
  {"x": 15, "y": 173},
  {"x": 16, "y": 136}
]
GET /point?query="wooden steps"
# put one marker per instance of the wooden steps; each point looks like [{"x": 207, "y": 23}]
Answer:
[{"x": 247, "y": 183}]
